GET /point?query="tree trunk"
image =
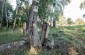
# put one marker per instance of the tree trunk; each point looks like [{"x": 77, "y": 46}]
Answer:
[
  {"x": 44, "y": 33},
  {"x": 1, "y": 18},
  {"x": 6, "y": 16},
  {"x": 49, "y": 44},
  {"x": 54, "y": 23},
  {"x": 14, "y": 24},
  {"x": 7, "y": 27},
  {"x": 24, "y": 29},
  {"x": 15, "y": 18},
  {"x": 35, "y": 43},
  {"x": 0, "y": 24}
]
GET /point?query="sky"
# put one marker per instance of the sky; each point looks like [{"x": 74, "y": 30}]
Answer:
[
  {"x": 71, "y": 10},
  {"x": 13, "y": 3}
]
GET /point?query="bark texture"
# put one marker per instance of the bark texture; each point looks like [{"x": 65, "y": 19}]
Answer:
[
  {"x": 1, "y": 17},
  {"x": 44, "y": 32},
  {"x": 6, "y": 16},
  {"x": 24, "y": 29},
  {"x": 15, "y": 18},
  {"x": 0, "y": 25},
  {"x": 54, "y": 23},
  {"x": 14, "y": 24},
  {"x": 35, "y": 43}
]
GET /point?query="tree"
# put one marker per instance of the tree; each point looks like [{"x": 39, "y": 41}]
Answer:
[
  {"x": 62, "y": 20},
  {"x": 1, "y": 14},
  {"x": 35, "y": 42},
  {"x": 69, "y": 21},
  {"x": 5, "y": 12},
  {"x": 82, "y": 5},
  {"x": 6, "y": 16},
  {"x": 79, "y": 21},
  {"x": 52, "y": 8},
  {"x": 38, "y": 8},
  {"x": 41, "y": 9},
  {"x": 15, "y": 14},
  {"x": 83, "y": 15},
  {"x": 21, "y": 13}
]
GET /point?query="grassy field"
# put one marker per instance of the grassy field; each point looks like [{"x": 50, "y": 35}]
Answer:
[
  {"x": 69, "y": 35},
  {"x": 10, "y": 36}
]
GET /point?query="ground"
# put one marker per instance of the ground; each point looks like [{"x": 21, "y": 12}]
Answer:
[{"x": 69, "y": 40}]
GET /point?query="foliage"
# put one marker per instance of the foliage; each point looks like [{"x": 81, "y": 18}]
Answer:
[
  {"x": 69, "y": 21},
  {"x": 52, "y": 8},
  {"x": 79, "y": 21},
  {"x": 82, "y": 5},
  {"x": 62, "y": 20},
  {"x": 5, "y": 5}
]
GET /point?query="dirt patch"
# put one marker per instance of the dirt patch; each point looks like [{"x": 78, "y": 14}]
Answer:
[{"x": 72, "y": 51}]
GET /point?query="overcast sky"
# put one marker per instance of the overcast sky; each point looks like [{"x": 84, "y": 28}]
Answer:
[{"x": 72, "y": 10}]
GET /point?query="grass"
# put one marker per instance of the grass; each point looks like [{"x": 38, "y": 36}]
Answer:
[
  {"x": 10, "y": 36},
  {"x": 19, "y": 51},
  {"x": 73, "y": 34}
]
